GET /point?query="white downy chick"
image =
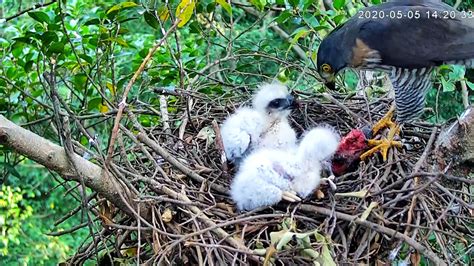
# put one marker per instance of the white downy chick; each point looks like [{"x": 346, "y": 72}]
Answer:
[
  {"x": 264, "y": 125},
  {"x": 269, "y": 175}
]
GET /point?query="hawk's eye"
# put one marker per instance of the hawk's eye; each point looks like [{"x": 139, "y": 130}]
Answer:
[{"x": 326, "y": 68}]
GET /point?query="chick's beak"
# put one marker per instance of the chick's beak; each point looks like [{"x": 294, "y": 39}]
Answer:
[{"x": 291, "y": 103}]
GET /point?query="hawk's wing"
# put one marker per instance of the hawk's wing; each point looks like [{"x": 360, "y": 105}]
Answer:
[{"x": 417, "y": 42}]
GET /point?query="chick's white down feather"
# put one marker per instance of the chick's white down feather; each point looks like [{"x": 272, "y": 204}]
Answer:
[
  {"x": 267, "y": 173},
  {"x": 258, "y": 126}
]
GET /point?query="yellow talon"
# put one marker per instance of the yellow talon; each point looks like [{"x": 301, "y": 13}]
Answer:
[
  {"x": 384, "y": 144},
  {"x": 386, "y": 121}
]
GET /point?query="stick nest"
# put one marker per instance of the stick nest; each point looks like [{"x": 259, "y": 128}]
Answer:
[{"x": 407, "y": 209}]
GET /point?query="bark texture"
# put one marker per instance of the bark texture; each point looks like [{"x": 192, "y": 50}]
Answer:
[{"x": 54, "y": 157}]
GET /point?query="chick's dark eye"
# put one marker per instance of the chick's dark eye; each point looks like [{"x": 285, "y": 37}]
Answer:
[{"x": 275, "y": 103}]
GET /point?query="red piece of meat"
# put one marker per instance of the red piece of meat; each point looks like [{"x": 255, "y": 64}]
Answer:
[{"x": 349, "y": 150}]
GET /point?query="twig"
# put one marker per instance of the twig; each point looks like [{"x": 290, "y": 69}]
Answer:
[
  {"x": 36, "y": 6},
  {"x": 220, "y": 148},
  {"x": 163, "y": 153},
  {"x": 343, "y": 107},
  {"x": 464, "y": 94},
  {"x": 379, "y": 228},
  {"x": 123, "y": 103}
]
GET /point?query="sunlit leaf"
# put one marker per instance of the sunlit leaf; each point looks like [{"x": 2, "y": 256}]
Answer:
[
  {"x": 121, "y": 42},
  {"x": 259, "y": 4},
  {"x": 103, "y": 108},
  {"x": 447, "y": 86},
  {"x": 470, "y": 85},
  {"x": 338, "y": 4},
  {"x": 163, "y": 13},
  {"x": 122, "y": 6},
  {"x": 225, "y": 5},
  {"x": 457, "y": 73},
  {"x": 111, "y": 88},
  {"x": 184, "y": 11},
  {"x": 301, "y": 32}
]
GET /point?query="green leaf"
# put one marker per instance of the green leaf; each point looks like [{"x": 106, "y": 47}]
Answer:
[
  {"x": 225, "y": 6},
  {"x": 283, "y": 17},
  {"x": 94, "y": 21},
  {"x": 151, "y": 20},
  {"x": 10, "y": 169},
  {"x": 39, "y": 16},
  {"x": 284, "y": 240},
  {"x": 338, "y": 4},
  {"x": 338, "y": 19},
  {"x": 298, "y": 33},
  {"x": 121, "y": 6},
  {"x": 79, "y": 80},
  {"x": 325, "y": 258},
  {"x": 259, "y": 4},
  {"x": 120, "y": 42},
  {"x": 470, "y": 85},
  {"x": 28, "y": 66},
  {"x": 184, "y": 11},
  {"x": 94, "y": 104},
  {"x": 447, "y": 86},
  {"x": 56, "y": 47},
  {"x": 86, "y": 58},
  {"x": 311, "y": 20},
  {"x": 457, "y": 73},
  {"x": 376, "y": 2},
  {"x": 48, "y": 37}
]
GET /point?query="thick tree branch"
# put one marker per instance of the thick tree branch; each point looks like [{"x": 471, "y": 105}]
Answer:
[{"x": 54, "y": 157}]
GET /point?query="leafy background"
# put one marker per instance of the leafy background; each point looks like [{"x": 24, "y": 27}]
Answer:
[{"x": 96, "y": 46}]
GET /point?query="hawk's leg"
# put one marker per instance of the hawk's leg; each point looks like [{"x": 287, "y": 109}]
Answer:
[{"x": 385, "y": 143}]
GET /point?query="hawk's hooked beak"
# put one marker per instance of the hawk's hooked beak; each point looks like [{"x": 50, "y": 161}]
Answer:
[{"x": 329, "y": 80}]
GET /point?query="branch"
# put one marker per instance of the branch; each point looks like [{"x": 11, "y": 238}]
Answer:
[
  {"x": 296, "y": 48},
  {"x": 376, "y": 227},
  {"x": 37, "y": 6},
  {"x": 54, "y": 157},
  {"x": 129, "y": 87}
]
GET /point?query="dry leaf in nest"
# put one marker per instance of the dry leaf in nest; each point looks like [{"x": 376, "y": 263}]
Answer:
[
  {"x": 106, "y": 210},
  {"x": 225, "y": 206},
  {"x": 415, "y": 258},
  {"x": 207, "y": 134},
  {"x": 319, "y": 194},
  {"x": 167, "y": 215},
  {"x": 156, "y": 242}
]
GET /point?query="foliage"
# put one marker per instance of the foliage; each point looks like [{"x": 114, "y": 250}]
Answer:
[
  {"x": 87, "y": 51},
  {"x": 12, "y": 214}
]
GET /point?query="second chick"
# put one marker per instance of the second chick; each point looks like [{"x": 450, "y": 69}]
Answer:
[{"x": 269, "y": 175}]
